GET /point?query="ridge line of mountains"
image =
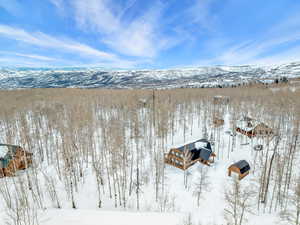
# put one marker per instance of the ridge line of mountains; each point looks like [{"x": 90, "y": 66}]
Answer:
[{"x": 201, "y": 77}]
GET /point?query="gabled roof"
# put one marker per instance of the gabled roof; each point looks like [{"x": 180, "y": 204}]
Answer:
[
  {"x": 200, "y": 149},
  {"x": 243, "y": 165},
  {"x": 194, "y": 145}
]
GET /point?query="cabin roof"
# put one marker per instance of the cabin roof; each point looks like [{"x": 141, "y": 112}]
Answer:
[
  {"x": 243, "y": 165},
  {"x": 246, "y": 121},
  {"x": 205, "y": 153},
  {"x": 240, "y": 164},
  {"x": 7, "y": 153},
  {"x": 201, "y": 146},
  {"x": 192, "y": 145}
]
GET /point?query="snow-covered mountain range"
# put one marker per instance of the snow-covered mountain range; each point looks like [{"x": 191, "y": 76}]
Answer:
[{"x": 217, "y": 76}]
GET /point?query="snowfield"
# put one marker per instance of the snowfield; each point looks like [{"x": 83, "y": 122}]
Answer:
[{"x": 96, "y": 217}]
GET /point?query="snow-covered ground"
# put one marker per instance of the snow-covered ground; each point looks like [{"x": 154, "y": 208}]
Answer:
[
  {"x": 97, "y": 217},
  {"x": 175, "y": 201}
]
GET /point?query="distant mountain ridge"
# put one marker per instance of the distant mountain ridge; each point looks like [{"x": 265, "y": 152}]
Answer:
[{"x": 214, "y": 76}]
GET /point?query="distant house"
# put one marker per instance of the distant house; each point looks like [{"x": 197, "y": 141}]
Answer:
[
  {"x": 241, "y": 167},
  {"x": 218, "y": 122},
  {"x": 219, "y": 99},
  {"x": 12, "y": 159},
  {"x": 253, "y": 128},
  {"x": 187, "y": 155}
]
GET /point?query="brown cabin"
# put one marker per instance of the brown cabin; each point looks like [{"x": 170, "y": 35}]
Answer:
[
  {"x": 218, "y": 122},
  {"x": 253, "y": 128},
  {"x": 12, "y": 159},
  {"x": 187, "y": 155},
  {"x": 241, "y": 167}
]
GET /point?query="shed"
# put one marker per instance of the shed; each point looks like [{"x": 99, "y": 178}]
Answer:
[
  {"x": 187, "y": 155},
  {"x": 241, "y": 167},
  {"x": 12, "y": 159}
]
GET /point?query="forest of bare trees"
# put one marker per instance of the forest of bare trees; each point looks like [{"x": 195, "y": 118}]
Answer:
[{"x": 112, "y": 143}]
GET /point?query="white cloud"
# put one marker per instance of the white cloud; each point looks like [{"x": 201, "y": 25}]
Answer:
[
  {"x": 38, "y": 57},
  {"x": 95, "y": 15},
  {"x": 279, "y": 44},
  {"x": 200, "y": 13},
  {"x": 287, "y": 56},
  {"x": 141, "y": 36},
  {"x": 31, "y": 56},
  {"x": 15, "y": 61},
  {"x": 58, "y": 3},
  {"x": 44, "y": 40},
  {"x": 63, "y": 45}
]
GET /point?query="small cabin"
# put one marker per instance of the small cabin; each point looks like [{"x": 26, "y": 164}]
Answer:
[
  {"x": 218, "y": 122},
  {"x": 253, "y": 128},
  {"x": 241, "y": 168},
  {"x": 187, "y": 155},
  {"x": 12, "y": 159}
]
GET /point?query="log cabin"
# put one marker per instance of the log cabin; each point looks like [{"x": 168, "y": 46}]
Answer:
[
  {"x": 253, "y": 128},
  {"x": 12, "y": 159},
  {"x": 241, "y": 167},
  {"x": 187, "y": 155}
]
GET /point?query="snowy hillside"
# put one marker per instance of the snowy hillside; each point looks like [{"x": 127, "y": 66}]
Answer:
[
  {"x": 99, "y": 157},
  {"x": 225, "y": 76}
]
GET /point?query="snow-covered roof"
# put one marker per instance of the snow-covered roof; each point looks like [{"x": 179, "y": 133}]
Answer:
[
  {"x": 247, "y": 123},
  {"x": 198, "y": 144},
  {"x": 3, "y": 151}
]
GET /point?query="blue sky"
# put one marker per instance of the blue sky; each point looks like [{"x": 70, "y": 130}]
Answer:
[{"x": 148, "y": 33}]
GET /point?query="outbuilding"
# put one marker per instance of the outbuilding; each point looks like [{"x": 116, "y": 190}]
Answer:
[
  {"x": 241, "y": 167},
  {"x": 12, "y": 159}
]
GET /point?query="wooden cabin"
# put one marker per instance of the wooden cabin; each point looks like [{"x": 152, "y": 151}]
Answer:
[
  {"x": 218, "y": 122},
  {"x": 241, "y": 167},
  {"x": 12, "y": 159},
  {"x": 253, "y": 128},
  {"x": 187, "y": 155},
  {"x": 262, "y": 130},
  {"x": 219, "y": 99}
]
